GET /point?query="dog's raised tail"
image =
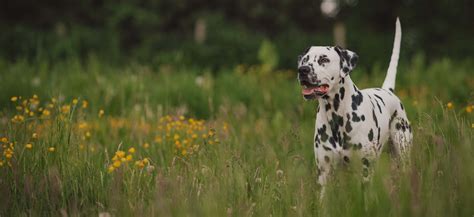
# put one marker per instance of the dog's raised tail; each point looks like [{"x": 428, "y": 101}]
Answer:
[{"x": 389, "y": 83}]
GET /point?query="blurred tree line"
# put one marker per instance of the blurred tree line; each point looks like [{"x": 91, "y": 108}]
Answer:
[{"x": 214, "y": 33}]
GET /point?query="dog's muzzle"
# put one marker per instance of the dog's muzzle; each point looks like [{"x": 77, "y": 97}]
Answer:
[{"x": 312, "y": 87}]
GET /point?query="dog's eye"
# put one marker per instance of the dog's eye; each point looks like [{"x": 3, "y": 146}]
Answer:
[{"x": 323, "y": 60}]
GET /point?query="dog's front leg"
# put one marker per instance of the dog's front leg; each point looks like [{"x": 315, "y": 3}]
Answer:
[{"x": 324, "y": 169}]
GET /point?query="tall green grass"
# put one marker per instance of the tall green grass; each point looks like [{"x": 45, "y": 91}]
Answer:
[{"x": 263, "y": 166}]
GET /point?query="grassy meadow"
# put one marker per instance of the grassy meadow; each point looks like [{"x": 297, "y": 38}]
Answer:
[{"x": 80, "y": 138}]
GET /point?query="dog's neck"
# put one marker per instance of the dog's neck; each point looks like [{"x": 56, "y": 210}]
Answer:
[{"x": 339, "y": 98}]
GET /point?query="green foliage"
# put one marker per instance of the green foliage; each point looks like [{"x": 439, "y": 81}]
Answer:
[
  {"x": 267, "y": 54},
  {"x": 162, "y": 32}
]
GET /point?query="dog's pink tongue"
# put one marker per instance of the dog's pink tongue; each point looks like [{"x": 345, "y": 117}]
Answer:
[
  {"x": 308, "y": 91},
  {"x": 311, "y": 90}
]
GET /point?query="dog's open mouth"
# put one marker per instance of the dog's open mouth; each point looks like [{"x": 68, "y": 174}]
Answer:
[{"x": 314, "y": 90}]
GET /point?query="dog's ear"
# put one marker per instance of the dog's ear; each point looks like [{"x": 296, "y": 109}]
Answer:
[{"x": 348, "y": 60}]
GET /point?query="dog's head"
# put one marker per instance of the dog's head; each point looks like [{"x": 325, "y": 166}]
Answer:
[{"x": 321, "y": 68}]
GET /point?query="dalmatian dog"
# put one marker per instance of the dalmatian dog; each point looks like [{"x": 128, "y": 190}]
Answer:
[{"x": 352, "y": 124}]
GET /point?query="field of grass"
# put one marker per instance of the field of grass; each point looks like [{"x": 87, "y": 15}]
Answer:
[{"x": 79, "y": 138}]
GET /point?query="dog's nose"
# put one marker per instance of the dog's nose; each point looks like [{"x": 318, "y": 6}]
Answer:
[{"x": 304, "y": 70}]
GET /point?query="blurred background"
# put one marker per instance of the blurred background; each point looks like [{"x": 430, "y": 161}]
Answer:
[
  {"x": 222, "y": 34},
  {"x": 81, "y": 80}
]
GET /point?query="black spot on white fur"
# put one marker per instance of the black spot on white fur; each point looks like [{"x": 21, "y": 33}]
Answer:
[
  {"x": 348, "y": 126},
  {"x": 380, "y": 98},
  {"x": 342, "y": 90},
  {"x": 365, "y": 162},
  {"x": 327, "y": 148},
  {"x": 371, "y": 135},
  {"x": 327, "y": 106},
  {"x": 378, "y": 105},
  {"x": 326, "y": 158},
  {"x": 336, "y": 102},
  {"x": 355, "y": 118},
  {"x": 378, "y": 136},
  {"x": 356, "y": 100},
  {"x": 346, "y": 159},
  {"x": 375, "y": 118},
  {"x": 322, "y": 132}
]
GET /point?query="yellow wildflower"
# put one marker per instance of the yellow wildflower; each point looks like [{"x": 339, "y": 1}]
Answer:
[
  {"x": 4, "y": 139},
  {"x": 75, "y": 101},
  {"x": 14, "y": 98},
  {"x": 146, "y": 161},
  {"x": 184, "y": 152},
  {"x": 146, "y": 145},
  {"x": 51, "y": 149},
  {"x": 120, "y": 154},
  {"x": 85, "y": 104},
  {"x": 46, "y": 112},
  {"x": 111, "y": 169},
  {"x": 450, "y": 105},
  {"x": 29, "y": 146},
  {"x": 131, "y": 150},
  {"x": 177, "y": 143},
  {"x": 83, "y": 125},
  {"x": 176, "y": 137},
  {"x": 129, "y": 157},
  {"x": 8, "y": 155},
  {"x": 140, "y": 164},
  {"x": 181, "y": 118},
  {"x": 65, "y": 109},
  {"x": 18, "y": 118},
  {"x": 34, "y": 136},
  {"x": 469, "y": 109},
  {"x": 117, "y": 164}
]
